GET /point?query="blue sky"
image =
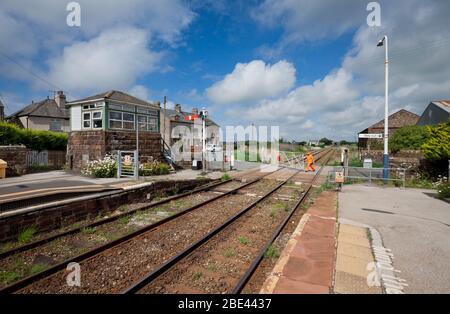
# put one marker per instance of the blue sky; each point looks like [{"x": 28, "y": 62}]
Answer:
[{"x": 312, "y": 68}]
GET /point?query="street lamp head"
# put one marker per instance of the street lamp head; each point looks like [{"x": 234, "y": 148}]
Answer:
[{"x": 380, "y": 42}]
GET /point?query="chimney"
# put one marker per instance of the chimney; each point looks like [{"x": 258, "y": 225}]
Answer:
[
  {"x": 195, "y": 111},
  {"x": 60, "y": 99},
  {"x": 158, "y": 104},
  {"x": 178, "y": 108}
]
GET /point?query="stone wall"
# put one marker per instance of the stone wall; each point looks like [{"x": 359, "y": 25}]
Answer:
[
  {"x": 54, "y": 217},
  {"x": 84, "y": 146},
  {"x": 15, "y": 156},
  {"x": 403, "y": 158}
]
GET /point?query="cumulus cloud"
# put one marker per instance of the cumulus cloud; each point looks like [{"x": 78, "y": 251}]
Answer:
[
  {"x": 253, "y": 81},
  {"x": 32, "y": 32},
  {"x": 116, "y": 58},
  {"x": 352, "y": 98},
  {"x": 140, "y": 91},
  {"x": 335, "y": 90}
]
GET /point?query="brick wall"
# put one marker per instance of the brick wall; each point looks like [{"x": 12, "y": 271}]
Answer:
[
  {"x": 55, "y": 217},
  {"x": 15, "y": 156},
  {"x": 85, "y": 146}
]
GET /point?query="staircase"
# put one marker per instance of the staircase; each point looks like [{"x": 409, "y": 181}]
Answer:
[{"x": 167, "y": 154}]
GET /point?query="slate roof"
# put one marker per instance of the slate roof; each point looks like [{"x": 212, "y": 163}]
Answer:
[
  {"x": 44, "y": 108},
  {"x": 443, "y": 104},
  {"x": 394, "y": 122},
  {"x": 172, "y": 113},
  {"x": 114, "y": 95}
]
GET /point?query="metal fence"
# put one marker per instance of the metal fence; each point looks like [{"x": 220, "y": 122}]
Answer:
[
  {"x": 127, "y": 164},
  {"x": 45, "y": 158},
  {"x": 356, "y": 174}
]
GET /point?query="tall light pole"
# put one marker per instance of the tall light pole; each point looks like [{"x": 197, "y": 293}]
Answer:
[{"x": 384, "y": 42}]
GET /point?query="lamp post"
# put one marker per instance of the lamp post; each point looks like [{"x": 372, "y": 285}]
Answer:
[{"x": 384, "y": 41}]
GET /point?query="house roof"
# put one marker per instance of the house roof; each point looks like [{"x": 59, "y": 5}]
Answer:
[
  {"x": 114, "y": 95},
  {"x": 172, "y": 113},
  {"x": 394, "y": 123},
  {"x": 443, "y": 104},
  {"x": 44, "y": 108}
]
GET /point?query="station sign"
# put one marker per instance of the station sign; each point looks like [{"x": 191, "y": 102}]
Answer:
[{"x": 370, "y": 135}]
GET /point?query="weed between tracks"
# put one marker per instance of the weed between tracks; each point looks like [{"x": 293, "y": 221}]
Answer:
[
  {"x": 23, "y": 264},
  {"x": 26, "y": 235}
]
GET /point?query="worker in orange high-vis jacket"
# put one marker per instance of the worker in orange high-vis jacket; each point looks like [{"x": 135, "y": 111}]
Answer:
[{"x": 309, "y": 162}]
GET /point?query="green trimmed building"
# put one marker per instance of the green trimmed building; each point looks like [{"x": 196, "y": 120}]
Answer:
[{"x": 107, "y": 122}]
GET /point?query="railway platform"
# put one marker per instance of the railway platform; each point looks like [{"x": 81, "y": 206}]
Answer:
[{"x": 324, "y": 256}]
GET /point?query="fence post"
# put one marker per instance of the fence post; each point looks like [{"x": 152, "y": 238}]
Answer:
[
  {"x": 136, "y": 164},
  {"x": 119, "y": 164}
]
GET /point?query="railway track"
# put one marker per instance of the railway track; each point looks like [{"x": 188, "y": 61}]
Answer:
[
  {"x": 253, "y": 174},
  {"x": 214, "y": 196},
  {"x": 55, "y": 275},
  {"x": 183, "y": 273}
]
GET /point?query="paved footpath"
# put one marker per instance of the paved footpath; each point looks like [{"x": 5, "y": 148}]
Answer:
[
  {"x": 413, "y": 224},
  {"x": 307, "y": 263}
]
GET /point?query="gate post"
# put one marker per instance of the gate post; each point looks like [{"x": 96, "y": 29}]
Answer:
[
  {"x": 136, "y": 164},
  {"x": 119, "y": 164}
]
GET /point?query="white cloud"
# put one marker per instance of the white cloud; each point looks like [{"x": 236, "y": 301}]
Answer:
[
  {"x": 164, "y": 18},
  {"x": 253, "y": 81},
  {"x": 32, "y": 31},
  {"x": 311, "y": 20},
  {"x": 140, "y": 91},
  {"x": 114, "y": 59},
  {"x": 341, "y": 105},
  {"x": 332, "y": 93}
]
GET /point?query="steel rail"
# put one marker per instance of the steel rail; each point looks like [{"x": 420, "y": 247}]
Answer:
[
  {"x": 71, "y": 231},
  {"x": 151, "y": 276},
  {"x": 97, "y": 250},
  {"x": 257, "y": 260},
  {"x": 39, "y": 242}
]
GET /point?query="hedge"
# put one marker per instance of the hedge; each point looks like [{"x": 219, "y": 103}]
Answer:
[{"x": 10, "y": 134}]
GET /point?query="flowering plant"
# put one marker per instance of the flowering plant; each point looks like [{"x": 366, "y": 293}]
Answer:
[
  {"x": 101, "y": 168},
  {"x": 442, "y": 186}
]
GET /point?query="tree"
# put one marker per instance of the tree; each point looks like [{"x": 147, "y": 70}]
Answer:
[
  {"x": 437, "y": 146},
  {"x": 408, "y": 137},
  {"x": 326, "y": 141}
]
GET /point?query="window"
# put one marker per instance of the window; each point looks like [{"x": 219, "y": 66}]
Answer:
[
  {"x": 121, "y": 120},
  {"x": 148, "y": 111},
  {"x": 97, "y": 122},
  {"x": 147, "y": 123},
  {"x": 93, "y": 106},
  {"x": 128, "y": 121},
  {"x": 92, "y": 119},
  {"x": 55, "y": 125},
  {"x": 86, "y": 120},
  {"x": 121, "y": 107}
]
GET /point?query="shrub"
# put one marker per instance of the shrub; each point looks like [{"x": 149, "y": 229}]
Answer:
[
  {"x": 153, "y": 168},
  {"x": 408, "y": 137},
  {"x": 443, "y": 187},
  {"x": 102, "y": 168},
  {"x": 437, "y": 146},
  {"x": 10, "y": 134}
]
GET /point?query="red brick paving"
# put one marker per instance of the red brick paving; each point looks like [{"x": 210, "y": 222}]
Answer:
[{"x": 310, "y": 265}]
